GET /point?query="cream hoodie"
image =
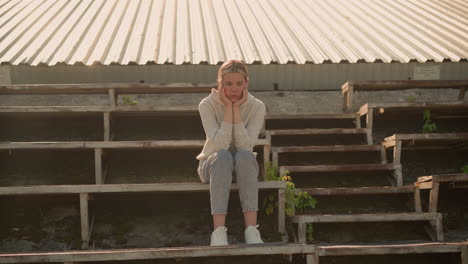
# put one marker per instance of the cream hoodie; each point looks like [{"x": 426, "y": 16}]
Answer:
[{"x": 222, "y": 135}]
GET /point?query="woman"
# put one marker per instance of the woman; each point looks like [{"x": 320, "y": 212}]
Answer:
[{"x": 232, "y": 119}]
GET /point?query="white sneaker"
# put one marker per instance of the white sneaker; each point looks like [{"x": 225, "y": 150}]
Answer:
[
  {"x": 252, "y": 235},
  {"x": 219, "y": 237}
]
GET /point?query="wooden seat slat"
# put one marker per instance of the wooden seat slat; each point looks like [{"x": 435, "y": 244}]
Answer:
[
  {"x": 98, "y": 109},
  {"x": 338, "y": 168},
  {"x": 358, "y": 190},
  {"x": 371, "y": 85},
  {"x": 112, "y": 144},
  {"x": 317, "y": 131},
  {"x": 157, "y": 253},
  {"x": 383, "y": 217},
  {"x": 435, "y": 219},
  {"x": 336, "y": 148},
  {"x": 123, "y": 188},
  {"x": 349, "y": 87},
  {"x": 103, "y": 88},
  {"x": 393, "y": 248},
  {"x": 312, "y": 116}
]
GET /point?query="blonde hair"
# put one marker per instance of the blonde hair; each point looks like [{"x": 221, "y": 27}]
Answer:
[{"x": 231, "y": 66}]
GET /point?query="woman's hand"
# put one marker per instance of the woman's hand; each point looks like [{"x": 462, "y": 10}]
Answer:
[
  {"x": 243, "y": 99},
  {"x": 223, "y": 98}
]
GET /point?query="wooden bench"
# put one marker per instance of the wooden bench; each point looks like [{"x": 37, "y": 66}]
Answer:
[
  {"x": 434, "y": 219},
  {"x": 99, "y": 147},
  {"x": 433, "y": 183},
  {"x": 116, "y": 255},
  {"x": 390, "y": 249},
  {"x": 112, "y": 89},
  {"x": 107, "y": 112},
  {"x": 421, "y": 141},
  {"x": 322, "y": 149},
  {"x": 85, "y": 191},
  {"x": 341, "y": 168},
  {"x": 371, "y": 110},
  {"x": 373, "y": 190},
  {"x": 349, "y": 87}
]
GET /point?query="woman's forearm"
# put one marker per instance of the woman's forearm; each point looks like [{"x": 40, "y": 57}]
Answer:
[
  {"x": 228, "y": 114},
  {"x": 236, "y": 114}
]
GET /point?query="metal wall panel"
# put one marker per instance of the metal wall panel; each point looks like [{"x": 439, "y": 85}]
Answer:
[{"x": 263, "y": 77}]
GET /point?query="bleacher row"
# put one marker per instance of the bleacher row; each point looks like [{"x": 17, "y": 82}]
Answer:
[{"x": 283, "y": 132}]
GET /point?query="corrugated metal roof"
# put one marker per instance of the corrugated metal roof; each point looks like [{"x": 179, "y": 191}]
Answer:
[{"x": 124, "y": 32}]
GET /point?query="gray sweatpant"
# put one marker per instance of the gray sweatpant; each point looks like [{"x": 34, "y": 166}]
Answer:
[{"x": 217, "y": 170}]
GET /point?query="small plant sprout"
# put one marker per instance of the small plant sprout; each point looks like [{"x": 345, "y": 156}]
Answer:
[
  {"x": 464, "y": 169},
  {"x": 429, "y": 126},
  {"x": 126, "y": 100}
]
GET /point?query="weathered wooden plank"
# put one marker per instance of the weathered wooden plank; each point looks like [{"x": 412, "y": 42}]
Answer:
[
  {"x": 98, "y": 166},
  {"x": 340, "y": 168},
  {"x": 98, "y": 109},
  {"x": 363, "y": 110},
  {"x": 430, "y": 136},
  {"x": 311, "y": 116},
  {"x": 456, "y": 177},
  {"x": 386, "y": 249},
  {"x": 416, "y": 105},
  {"x": 461, "y": 95},
  {"x": 464, "y": 254},
  {"x": 434, "y": 197},
  {"x": 439, "y": 228},
  {"x": 318, "y": 131},
  {"x": 384, "y": 217},
  {"x": 113, "y": 97},
  {"x": 374, "y": 85},
  {"x": 383, "y": 154},
  {"x": 282, "y": 212},
  {"x": 417, "y": 200},
  {"x": 397, "y": 152},
  {"x": 111, "y": 188},
  {"x": 112, "y": 144},
  {"x": 106, "y": 126},
  {"x": 103, "y": 88},
  {"x": 424, "y": 185},
  {"x": 84, "y": 215},
  {"x": 357, "y": 120},
  {"x": 398, "y": 174},
  {"x": 312, "y": 258},
  {"x": 424, "y": 178},
  {"x": 274, "y": 156},
  {"x": 336, "y": 148},
  {"x": 348, "y": 94},
  {"x": 349, "y": 87},
  {"x": 158, "y": 253},
  {"x": 369, "y": 125},
  {"x": 301, "y": 231},
  {"x": 359, "y": 190}
]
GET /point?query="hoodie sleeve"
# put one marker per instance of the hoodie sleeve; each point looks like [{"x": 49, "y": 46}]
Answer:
[
  {"x": 217, "y": 137},
  {"x": 245, "y": 137}
]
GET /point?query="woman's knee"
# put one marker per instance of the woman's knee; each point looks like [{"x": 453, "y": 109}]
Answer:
[
  {"x": 224, "y": 157},
  {"x": 245, "y": 157}
]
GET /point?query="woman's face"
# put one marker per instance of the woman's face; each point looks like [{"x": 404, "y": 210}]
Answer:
[{"x": 234, "y": 84}]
